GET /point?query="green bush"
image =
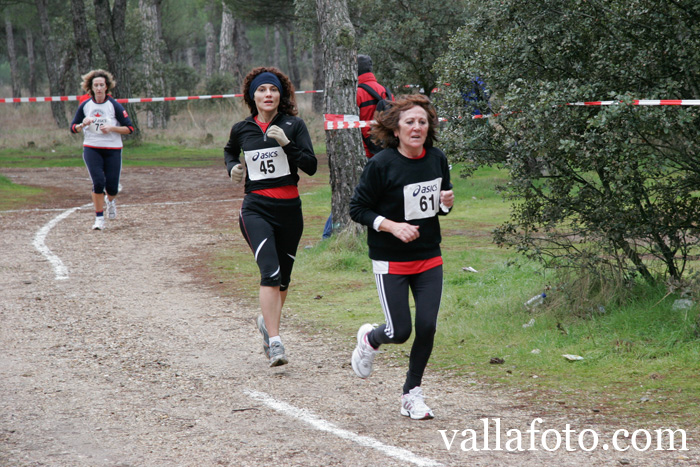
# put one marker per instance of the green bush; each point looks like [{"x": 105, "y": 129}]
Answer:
[{"x": 612, "y": 188}]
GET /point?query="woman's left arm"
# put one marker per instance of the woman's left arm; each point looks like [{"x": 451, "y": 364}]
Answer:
[
  {"x": 447, "y": 199},
  {"x": 122, "y": 117},
  {"x": 300, "y": 150},
  {"x": 447, "y": 196},
  {"x": 122, "y": 130}
]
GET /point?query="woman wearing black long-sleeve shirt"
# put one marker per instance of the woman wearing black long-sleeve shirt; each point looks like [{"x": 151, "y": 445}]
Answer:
[
  {"x": 275, "y": 144},
  {"x": 402, "y": 191}
]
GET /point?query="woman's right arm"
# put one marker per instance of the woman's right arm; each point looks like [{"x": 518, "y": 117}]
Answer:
[
  {"x": 76, "y": 125},
  {"x": 364, "y": 205},
  {"x": 232, "y": 151},
  {"x": 364, "y": 199}
]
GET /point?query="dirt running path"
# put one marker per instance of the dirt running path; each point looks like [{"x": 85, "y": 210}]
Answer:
[{"x": 135, "y": 360}]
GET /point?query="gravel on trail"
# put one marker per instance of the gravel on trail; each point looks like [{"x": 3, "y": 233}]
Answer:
[{"x": 139, "y": 358}]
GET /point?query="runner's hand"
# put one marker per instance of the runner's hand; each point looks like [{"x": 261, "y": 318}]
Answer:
[
  {"x": 402, "y": 230},
  {"x": 447, "y": 198},
  {"x": 237, "y": 173},
  {"x": 277, "y": 133}
]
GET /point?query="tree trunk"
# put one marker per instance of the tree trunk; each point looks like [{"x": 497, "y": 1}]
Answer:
[
  {"x": 31, "y": 60},
  {"x": 210, "y": 51},
  {"x": 242, "y": 54},
  {"x": 226, "y": 41},
  {"x": 318, "y": 77},
  {"x": 64, "y": 72},
  {"x": 268, "y": 50},
  {"x": 58, "y": 109},
  {"x": 12, "y": 53},
  {"x": 633, "y": 256},
  {"x": 191, "y": 58},
  {"x": 276, "y": 47},
  {"x": 111, "y": 30},
  {"x": 292, "y": 64},
  {"x": 152, "y": 62},
  {"x": 81, "y": 36},
  {"x": 344, "y": 147}
]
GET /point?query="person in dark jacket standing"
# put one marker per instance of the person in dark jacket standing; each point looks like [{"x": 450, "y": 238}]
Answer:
[
  {"x": 103, "y": 121},
  {"x": 402, "y": 191},
  {"x": 275, "y": 144}
]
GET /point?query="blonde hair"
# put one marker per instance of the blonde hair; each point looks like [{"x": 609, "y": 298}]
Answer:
[{"x": 89, "y": 77}]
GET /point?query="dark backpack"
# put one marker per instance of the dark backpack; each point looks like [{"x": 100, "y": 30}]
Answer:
[{"x": 382, "y": 104}]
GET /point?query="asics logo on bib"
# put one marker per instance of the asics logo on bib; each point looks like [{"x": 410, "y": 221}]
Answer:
[
  {"x": 264, "y": 155},
  {"x": 423, "y": 189}
]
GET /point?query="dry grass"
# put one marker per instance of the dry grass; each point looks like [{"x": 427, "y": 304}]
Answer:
[{"x": 204, "y": 123}]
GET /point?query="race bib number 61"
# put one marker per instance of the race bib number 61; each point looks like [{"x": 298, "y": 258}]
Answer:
[{"x": 422, "y": 200}]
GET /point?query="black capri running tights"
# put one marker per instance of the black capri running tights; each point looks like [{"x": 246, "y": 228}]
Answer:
[
  {"x": 272, "y": 227},
  {"x": 105, "y": 167},
  {"x": 393, "y": 295}
]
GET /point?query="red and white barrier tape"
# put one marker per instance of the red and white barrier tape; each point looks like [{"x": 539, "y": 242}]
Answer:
[
  {"x": 341, "y": 122},
  {"x": 338, "y": 122},
  {"x": 11, "y": 100},
  {"x": 642, "y": 102}
]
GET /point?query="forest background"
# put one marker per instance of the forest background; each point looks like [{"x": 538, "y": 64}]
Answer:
[{"x": 603, "y": 198}]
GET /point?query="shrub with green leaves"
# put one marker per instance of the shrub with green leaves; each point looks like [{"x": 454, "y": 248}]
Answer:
[{"x": 608, "y": 187}]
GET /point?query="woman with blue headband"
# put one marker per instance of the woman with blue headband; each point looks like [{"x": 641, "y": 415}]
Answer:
[{"x": 275, "y": 144}]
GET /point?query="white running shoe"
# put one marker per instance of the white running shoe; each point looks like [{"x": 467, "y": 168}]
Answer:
[
  {"x": 413, "y": 405},
  {"x": 363, "y": 355},
  {"x": 112, "y": 209},
  {"x": 99, "y": 223}
]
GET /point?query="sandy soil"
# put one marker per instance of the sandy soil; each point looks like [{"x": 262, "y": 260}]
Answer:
[{"x": 139, "y": 358}]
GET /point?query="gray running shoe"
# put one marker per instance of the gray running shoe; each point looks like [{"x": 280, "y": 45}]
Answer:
[
  {"x": 266, "y": 336},
  {"x": 277, "y": 356},
  {"x": 112, "y": 209}
]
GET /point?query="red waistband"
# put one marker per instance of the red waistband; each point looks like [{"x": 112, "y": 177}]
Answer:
[
  {"x": 281, "y": 192},
  {"x": 414, "y": 267}
]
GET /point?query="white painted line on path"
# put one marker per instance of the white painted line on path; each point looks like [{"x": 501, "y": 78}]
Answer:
[
  {"x": 40, "y": 237},
  {"x": 58, "y": 266},
  {"x": 168, "y": 203},
  {"x": 322, "y": 425}
]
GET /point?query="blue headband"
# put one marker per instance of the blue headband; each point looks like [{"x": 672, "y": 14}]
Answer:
[{"x": 265, "y": 77}]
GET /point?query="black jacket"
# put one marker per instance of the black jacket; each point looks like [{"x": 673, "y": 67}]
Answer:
[
  {"x": 402, "y": 190},
  {"x": 262, "y": 154}
]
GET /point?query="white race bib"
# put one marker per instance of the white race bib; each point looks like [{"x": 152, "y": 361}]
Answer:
[
  {"x": 266, "y": 163},
  {"x": 98, "y": 123},
  {"x": 422, "y": 200}
]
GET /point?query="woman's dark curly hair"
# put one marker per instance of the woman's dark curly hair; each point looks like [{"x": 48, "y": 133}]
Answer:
[
  {"x": 288, "y": 103},
  {"x": 90, "y": 76},
  {"x": 387, "y": 124}
]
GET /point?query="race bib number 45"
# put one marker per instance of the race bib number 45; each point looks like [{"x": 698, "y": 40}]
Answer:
[
  {"x": 266, "y": 163},
  {"x": 422, "y": 200}
]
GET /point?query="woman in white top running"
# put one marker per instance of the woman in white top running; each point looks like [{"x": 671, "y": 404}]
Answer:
[{"x": 103, "y": 121}]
